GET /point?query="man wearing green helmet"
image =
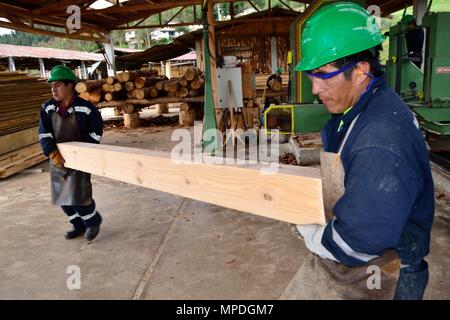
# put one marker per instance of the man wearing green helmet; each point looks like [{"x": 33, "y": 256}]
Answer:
[
  {"x": 414, "y": 39},
  {"x": 269, "y": 100},
  {"x": 387, "y": 209},
  {"x": 65, "y": 118}
]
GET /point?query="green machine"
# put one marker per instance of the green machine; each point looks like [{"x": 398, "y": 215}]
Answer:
[
  {"x": 303, "y": 113},
  {"x": 426, "y": 92}
]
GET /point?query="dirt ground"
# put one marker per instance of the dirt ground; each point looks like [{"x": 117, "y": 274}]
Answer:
[{"x": 155, "y": 245}]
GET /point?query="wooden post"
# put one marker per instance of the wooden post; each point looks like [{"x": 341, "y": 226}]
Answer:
[
  {"x": 199, "y": 55},
  {"x": 111, "y": 63},
  {"x": 11, "y": 64},
  {"x": 131, "y": 120},
  {"x": 117, "y": 111},
  {"x": 168, "y": 69},
  {"x": 130, "y": 116},
  {"x": 273, "y": 54},
  {"x": 163, "y": 69},
  {"x": 187, "y": 115},
  {"x": 162, "y": 108},
  {"x": 213, "y": 54},
  {"x": 41, "y": 68},
  {"x": 84, "y": 72}
]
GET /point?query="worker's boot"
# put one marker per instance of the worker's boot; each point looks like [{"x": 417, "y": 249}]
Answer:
[
  {"x": 74, "y": 233},
  {"x": 92, "y": 232}
]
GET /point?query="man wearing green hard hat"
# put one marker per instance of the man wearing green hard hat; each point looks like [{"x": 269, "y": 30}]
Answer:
[
  {"x": 269, "y": 100},
  {"x": 414, "y": 39},
  {"x": 65, "y": 118},
  {"x": 374, "y": 245}
]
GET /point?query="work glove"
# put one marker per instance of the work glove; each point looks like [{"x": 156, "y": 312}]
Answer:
[
  {"x": 312, "y": 235},
  {"x": 57, "y": 159}
]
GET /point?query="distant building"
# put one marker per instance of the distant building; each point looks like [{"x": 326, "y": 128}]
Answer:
[
  {"x": 130, "y": 38},
  {"x": 165, "y": 33}
]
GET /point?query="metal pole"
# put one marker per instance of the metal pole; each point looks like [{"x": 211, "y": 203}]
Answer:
[{"x": 209, "y": 122}]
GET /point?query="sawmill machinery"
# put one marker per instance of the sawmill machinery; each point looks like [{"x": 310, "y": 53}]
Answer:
[{"x": 425, "y": 90}]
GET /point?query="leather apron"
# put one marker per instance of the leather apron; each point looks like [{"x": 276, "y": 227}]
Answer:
[
  {"x": 69, "y": 187},
  {"x": 323, "y": 279}
]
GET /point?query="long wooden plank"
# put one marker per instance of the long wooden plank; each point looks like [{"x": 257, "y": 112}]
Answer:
[
  {"x": 18, "y": 140},
  {"x": 292, "y": 194}
]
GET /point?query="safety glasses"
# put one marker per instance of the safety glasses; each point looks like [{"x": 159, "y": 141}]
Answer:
[{"x": 320, "y": 77}]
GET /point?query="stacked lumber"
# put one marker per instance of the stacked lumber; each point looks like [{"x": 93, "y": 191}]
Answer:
[
  {"x": 19, "y": 150},
  {"x": 18, "y": 160},
  {"x": 20, "y": 104},
  {"x": 21, "y": 100}
]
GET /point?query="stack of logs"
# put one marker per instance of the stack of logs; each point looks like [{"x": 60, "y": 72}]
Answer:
[{"x": 141, "y": 85}]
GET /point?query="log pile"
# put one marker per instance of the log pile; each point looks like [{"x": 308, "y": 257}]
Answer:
[
  {"x": 142, "y": 85},
  {"x": 20, "y": 104}
]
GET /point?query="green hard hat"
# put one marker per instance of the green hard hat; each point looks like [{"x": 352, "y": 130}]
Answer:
[
  {"x": 62, "y": 73},
  {"x": 408, "y": 19},
  {"x": 336, "y": 31},
  {"x": 280, "y": 70}
]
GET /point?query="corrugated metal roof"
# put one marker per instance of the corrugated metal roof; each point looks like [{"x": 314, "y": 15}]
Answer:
[
  {"x": 127, "y": 50},
  {"x": 185, "y": 57},
  {"x": 7, "y": 50},
  {"x": 156, "y": 53}
]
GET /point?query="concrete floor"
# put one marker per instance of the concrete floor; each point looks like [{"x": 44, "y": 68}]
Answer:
[{"x": 155, "y": 245}]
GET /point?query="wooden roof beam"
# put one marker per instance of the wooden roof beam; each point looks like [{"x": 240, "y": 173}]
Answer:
[
  {"x": 26, "y": 28},
  {"x": 287, "y": 6},
  {"x": 181, "y": 24},
  {"x": 57, "y": 6},
  {"x": 63, "y": 23},
  {"x": 129, "y": 19},
  {"x": 7, "y": 10},
  {"x": 160, "y": 6},
  {"x": 175, "y": 15}
]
